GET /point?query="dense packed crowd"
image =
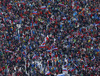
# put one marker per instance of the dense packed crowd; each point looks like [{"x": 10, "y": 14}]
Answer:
[{"x": 44, "y": 37}]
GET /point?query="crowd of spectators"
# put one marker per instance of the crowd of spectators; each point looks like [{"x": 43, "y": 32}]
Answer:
[{"x": 69, "y": 28}]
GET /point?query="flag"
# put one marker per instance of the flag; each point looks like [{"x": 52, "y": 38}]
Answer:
[
  {"x": 93, "y": 58},
  {"x": 55, "y": 48},
  {"x": 42, "y": 45},
  {"x": 64, "y": 69},
  {"x": 72, "y": 69},
  {"x": 44, "y": 42},
  {"x": 48, "y": 73},
  {"x": 29, "y": 39},
  {"x": 34, "y": 57},
  {"x": 46, "y": 38},
  {"x": 64, "y": 18},
  {"x": 65, "y": 65},
  {"x": 12, "y": 58},
  {"x": 35, "y": 12},
  {"x": 8, "y": 51},
  {"x": 49, "y": 50},
  {"x": 76, "y": 66},
  {"x": 42, "y": 54},
  {"x": 52, "y": 46},
  {"x": 43, "y": 7},
  {"x": 61, "y": 4},
  {"x": 61, "y": 75},
  {"x": 86, "y": 65}
]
